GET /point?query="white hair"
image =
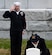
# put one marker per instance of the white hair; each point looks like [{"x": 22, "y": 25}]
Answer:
[{"x": 17, "y": 3}]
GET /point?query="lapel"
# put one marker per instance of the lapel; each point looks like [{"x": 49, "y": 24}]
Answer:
[
  {"x": 38, "y": 46},
  {"x": 32, "y": 45}
]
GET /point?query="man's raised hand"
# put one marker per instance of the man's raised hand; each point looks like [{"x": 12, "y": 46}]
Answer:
[{"x": 12, "y": 8}]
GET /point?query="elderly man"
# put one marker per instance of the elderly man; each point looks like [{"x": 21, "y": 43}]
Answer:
[
  {"x": 18, "y": 24},
  {"x": 36, "y": 41}
]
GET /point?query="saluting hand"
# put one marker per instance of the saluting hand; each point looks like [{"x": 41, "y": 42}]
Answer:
[{"x": 12, "y": 8}]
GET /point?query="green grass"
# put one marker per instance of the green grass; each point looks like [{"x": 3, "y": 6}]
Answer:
[
  {"x": 49, "y": 44},
  {"x": 5, "y": 44}
]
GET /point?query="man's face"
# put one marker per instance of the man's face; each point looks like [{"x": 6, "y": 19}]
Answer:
[
  {"x": 35, "y": 42},
  {"x": 33, "y": 37},
  {"x": 17, "y": 8}
]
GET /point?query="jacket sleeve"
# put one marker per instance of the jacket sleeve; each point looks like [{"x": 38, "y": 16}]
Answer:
[
  {"x": 43, "y": 47},
  {"x": 7, "y": 14},
  {"x": 43, "y": 44},
  {"x": 24, "y": 21}
]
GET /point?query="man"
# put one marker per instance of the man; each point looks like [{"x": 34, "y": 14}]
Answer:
[
  {"x": 18, "y": 24},
  {"x": 37, "y": 42}
]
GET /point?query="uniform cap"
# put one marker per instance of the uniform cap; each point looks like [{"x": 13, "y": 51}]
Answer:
[{"x": 17, "y": 3}]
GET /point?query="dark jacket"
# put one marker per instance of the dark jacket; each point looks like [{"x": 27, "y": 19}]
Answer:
[
  {"x": 18, "y": 22},
  {"x": 41, "y": 46}
]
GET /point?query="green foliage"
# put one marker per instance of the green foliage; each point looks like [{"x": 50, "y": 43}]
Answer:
[
  {"x": 49, "y": 44},
  {"x": 5, "y": 43}
]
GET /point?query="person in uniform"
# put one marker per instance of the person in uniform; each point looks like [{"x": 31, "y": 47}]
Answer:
[
  {"x": 36, "y": 42},
  {"x": 18, "y": 25}
]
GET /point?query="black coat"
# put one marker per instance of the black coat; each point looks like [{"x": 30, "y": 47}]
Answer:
[
  {"x": 18, "y": 22},
  {"x": 41, "y": 46}
]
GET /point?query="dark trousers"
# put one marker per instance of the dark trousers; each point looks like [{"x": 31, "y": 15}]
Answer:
[{"x": 16, "y": 42}]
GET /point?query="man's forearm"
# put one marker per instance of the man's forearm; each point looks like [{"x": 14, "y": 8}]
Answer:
[{"x": 6, "y": 14}]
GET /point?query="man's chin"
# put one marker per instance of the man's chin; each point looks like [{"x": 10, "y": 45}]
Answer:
[{"x": 35, "y": 42}]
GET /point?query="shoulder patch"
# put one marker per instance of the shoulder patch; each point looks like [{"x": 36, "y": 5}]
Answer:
[{"x": 21, "y": 13}]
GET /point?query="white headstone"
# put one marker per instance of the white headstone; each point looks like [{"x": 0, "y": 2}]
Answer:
[{"x": 33, "y": 51}]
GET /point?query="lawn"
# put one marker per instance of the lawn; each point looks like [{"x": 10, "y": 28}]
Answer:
[{"x": 5, "y": 46}]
